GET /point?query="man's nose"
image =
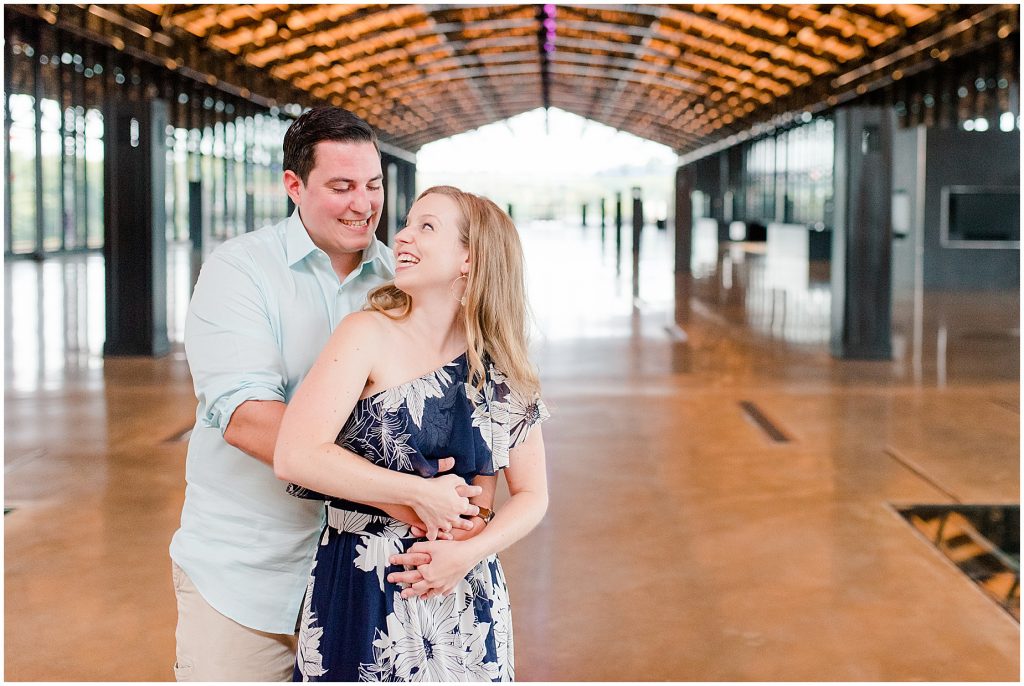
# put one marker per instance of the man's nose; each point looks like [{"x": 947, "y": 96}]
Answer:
[{"x": 361, "y": 201}]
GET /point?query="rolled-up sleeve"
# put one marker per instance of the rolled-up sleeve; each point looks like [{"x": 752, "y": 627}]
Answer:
[{"x": 232, "y": 346}]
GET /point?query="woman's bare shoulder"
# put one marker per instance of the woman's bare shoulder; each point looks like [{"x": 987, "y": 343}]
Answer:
[{"x": 365, "y": 328}]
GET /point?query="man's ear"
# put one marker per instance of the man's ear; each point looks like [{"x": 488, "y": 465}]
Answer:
[{"x": 293, "y": 185}]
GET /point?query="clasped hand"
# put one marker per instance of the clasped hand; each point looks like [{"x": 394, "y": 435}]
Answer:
[
  {"x": 442, "y": 501},
  {"x": 436, "y": 566},
  {"x": 432, "y": 568}
]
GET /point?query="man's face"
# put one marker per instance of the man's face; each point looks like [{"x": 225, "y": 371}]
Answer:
[{"x": 340, "y": 202}]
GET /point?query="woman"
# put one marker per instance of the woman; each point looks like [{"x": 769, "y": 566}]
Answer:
[{"x": 358, "y": 429}]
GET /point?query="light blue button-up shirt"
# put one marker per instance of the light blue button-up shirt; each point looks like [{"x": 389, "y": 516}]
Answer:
[{"x": 263, "y": 308}]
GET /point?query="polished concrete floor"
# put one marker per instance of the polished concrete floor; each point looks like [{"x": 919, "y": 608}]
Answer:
[{"x": 682, "y": 543}]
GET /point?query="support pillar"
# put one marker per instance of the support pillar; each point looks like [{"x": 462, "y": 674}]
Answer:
[
  {"x": 603, "y": 221},
  {"x": 618, "y": 232},
  {"x": 638, "y": 228},
  {"x": 862, "y": 239},
  {"x": 135, "y": 245},
  {"x": 683, "y": 246}
]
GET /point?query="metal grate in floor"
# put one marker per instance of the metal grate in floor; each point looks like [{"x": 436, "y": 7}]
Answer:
[
  {"x": 766, "y": 425},
  {"x": 983, "y": 541}
]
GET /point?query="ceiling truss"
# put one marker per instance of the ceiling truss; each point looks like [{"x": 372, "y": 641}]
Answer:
[{"x": 687, "y": 76}]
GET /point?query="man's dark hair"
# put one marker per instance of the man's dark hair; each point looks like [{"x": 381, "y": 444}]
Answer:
[{"x": 322, "y": 124}]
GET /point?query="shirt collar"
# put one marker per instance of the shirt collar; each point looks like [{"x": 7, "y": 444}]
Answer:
[
  {"x": 298, "y": 242},
  {"x": 299, "y": 246}
]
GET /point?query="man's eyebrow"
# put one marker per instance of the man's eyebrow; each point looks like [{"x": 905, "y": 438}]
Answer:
[{"x": 339, "y": 179}]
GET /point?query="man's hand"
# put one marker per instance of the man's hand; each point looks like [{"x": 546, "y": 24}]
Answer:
[
  {"x": 411, "y": 561},
  {"x": 473, "y": 526},
  {"x": 442, "y": 565}
]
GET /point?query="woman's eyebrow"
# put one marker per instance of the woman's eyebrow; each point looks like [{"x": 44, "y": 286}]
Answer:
[{"x": 421, "y": 217}]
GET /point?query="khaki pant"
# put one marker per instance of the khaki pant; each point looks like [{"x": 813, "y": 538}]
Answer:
[{"x": 212, "y": 647}]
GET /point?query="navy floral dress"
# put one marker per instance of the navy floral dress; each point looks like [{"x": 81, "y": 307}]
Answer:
[{"x": 355, "y": 626}]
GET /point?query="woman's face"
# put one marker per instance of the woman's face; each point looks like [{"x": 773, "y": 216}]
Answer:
[{"x": 428, "y": 251}]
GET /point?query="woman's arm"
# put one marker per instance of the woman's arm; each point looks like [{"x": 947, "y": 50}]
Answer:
[
  {"x": 450, "y": 561},
  {"x": 305, "y": 453}
]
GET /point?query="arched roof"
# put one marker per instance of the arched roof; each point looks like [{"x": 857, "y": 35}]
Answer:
[{"x": 683, "y": 75}]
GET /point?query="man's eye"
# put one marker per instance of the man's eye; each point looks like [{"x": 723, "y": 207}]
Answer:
[
  {"x": 374, "y": 188},
  {"x": 428, "y": 226}
]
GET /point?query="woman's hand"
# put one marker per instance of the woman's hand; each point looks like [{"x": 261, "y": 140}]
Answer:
[
  {"x": 442, "y": 565},
  {"x": 441, "y": 502}
]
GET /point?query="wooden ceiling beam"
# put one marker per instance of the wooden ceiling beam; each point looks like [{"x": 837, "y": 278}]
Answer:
[
  {"x": 578, "y": 103},
  {"x": 408, "y": 36},
  {"x": 709, "y": 22},
  {"x": 394, "y": 26},
  {"x": 272, "y": 31},
  {"x": 821, "y": 51}
]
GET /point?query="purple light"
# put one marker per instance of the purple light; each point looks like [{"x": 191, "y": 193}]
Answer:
[
  {"x": 549, "y": 10},
  {"x": 549, "y": 24},
  {"x": 550, "y": 35},
  {"x": 549, "y": 47}
]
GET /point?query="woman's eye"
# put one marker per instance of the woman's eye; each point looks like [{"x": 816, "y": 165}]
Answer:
[{"x": 428, "y": 226}]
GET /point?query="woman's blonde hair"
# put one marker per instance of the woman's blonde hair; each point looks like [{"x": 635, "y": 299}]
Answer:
[{"x": 495, "y": 307}]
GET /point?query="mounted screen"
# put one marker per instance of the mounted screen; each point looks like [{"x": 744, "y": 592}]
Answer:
[{"x": 980, "y": 217}]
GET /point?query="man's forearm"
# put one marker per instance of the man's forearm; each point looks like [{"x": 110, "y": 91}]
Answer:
[
  {"x": 253, "y": 428},
  {"x": 408, "y": 515}
]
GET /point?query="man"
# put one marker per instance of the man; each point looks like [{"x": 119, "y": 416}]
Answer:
[{"x": 264, "y": 306}]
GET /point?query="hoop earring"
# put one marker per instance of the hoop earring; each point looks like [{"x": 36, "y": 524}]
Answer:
[{"x": 462, "y": 300}]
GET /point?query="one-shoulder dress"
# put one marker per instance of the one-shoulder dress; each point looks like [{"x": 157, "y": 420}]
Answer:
[{"x": 355, "y": 626}]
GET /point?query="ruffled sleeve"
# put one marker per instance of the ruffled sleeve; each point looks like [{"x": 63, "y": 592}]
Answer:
[{"x": 503, "y": 417}]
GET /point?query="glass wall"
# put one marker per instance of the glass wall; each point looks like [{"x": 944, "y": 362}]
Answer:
[
  {"x": 760, "y": 176},
  {"x": 788, "y": 177},
  {"x": 223, "y": 153},
  {"x": 808, "y": 192},
  {"x": 21, "y": 172}
]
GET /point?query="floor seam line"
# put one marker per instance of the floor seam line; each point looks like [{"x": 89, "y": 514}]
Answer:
[{"x": 920, "y": 473}]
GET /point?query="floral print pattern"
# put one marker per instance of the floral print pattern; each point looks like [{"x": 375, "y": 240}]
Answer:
[{"x": 355, "y": 626}]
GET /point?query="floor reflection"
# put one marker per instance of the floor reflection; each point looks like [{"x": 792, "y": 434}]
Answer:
[
  {"x": 54, "y": 317},
  {"x": 789, "y": 302},
  {"x": 577, "y": 288},
  {"x": 53, "y": 321}
]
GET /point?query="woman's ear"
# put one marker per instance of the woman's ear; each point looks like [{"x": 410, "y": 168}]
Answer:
[{"x": 464, "y": 269}]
